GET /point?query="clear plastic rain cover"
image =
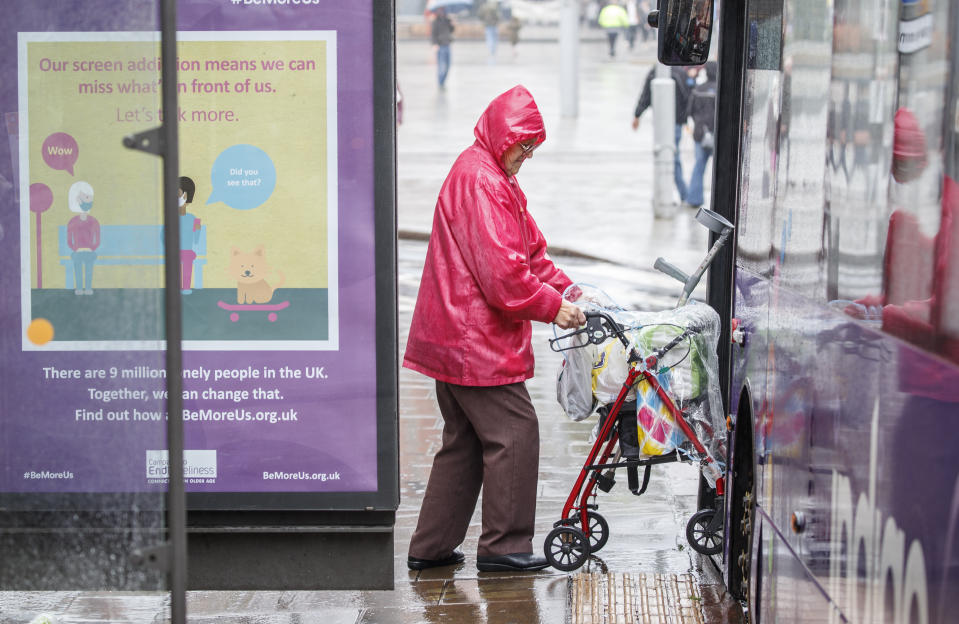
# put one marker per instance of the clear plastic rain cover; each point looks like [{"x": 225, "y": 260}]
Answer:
[{"x": 592, "y": 375}]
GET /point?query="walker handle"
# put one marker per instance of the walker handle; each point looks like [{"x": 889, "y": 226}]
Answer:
[{"x": 599, "y": 327}]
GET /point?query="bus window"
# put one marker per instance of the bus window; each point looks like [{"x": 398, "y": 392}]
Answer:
[
  {"x": 798, "y": 168},
  {"x": 760, "y": 110},
  {"x": 861, "y": 106},
  {"x": 893, "y": 255}
]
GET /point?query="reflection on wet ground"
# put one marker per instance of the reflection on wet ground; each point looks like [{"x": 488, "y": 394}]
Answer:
[{"x": 645, "y": 568}]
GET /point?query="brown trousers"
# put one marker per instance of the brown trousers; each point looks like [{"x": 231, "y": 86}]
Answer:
[{"x": 490, "y": 439}]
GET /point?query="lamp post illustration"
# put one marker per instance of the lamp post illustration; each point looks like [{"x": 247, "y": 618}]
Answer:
[{"x": 41, "y": 198}]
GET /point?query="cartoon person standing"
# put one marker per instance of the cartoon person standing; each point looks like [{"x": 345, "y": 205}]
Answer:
[
  {"x": 83, "y": 236},
  {"x": 189, "y": 234}
]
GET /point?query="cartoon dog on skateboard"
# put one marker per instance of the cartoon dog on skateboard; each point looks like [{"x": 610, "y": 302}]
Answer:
[{"x": 253, "y": 292}]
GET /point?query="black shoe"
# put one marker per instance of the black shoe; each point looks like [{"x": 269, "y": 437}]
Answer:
[
  {"x": 414, "y": 563},
  {"x": 514, "y": 561}
]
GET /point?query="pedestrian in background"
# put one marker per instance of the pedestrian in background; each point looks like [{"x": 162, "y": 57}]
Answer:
[
  {"x": 513, "y": 27},
  {"x": 644, "y": 28},
  {"x": 591, "y": 13},
  {"x": 613, "y": 19},
  {"x": 441, "y": 36},
  {"x": 684, "y": 79},
  {"x": 702, "y": 110},
  {"x": 489, "y": 15},
  {"x": 486, "y": 276},
  {"x": 632, "y": 14}
]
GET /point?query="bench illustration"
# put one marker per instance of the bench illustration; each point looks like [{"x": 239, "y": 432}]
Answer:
[{"x": 130, "y": 245}]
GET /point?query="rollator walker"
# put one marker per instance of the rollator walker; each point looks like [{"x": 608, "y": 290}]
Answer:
[{"x": 581, "y": 530}]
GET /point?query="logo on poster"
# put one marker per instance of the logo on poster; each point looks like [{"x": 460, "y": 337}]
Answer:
[{"x": 198, "y": 465}]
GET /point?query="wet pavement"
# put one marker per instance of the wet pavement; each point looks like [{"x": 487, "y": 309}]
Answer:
[
  {"x": 590, "y": 190},
  {"x": 645, "y": 573},
  {"x": 590, "y": 185}
]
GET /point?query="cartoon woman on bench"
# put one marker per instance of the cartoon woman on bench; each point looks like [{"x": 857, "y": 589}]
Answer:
[{"x": 83, "y": 236}]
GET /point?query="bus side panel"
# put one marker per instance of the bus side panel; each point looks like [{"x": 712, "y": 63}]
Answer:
[
  {"x": 787, "y": 593},
  {"x": 857, "y": 480},
  {"x": 845, "y": 306}
]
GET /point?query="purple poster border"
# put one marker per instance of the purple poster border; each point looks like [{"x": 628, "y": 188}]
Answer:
[{"x": 334, "y": 450}]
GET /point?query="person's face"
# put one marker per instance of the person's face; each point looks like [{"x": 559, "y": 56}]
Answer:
[
  {"x": 515, "y": 156},
  {"x": 85, "y": 200}
]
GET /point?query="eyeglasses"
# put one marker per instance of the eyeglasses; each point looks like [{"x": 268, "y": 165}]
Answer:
[{"x": 527, "y": 150}]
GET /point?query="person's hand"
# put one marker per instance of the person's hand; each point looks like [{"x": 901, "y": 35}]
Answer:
[
  {"x": 569, "y": 316},
  {"x": 635, "y": 123}
]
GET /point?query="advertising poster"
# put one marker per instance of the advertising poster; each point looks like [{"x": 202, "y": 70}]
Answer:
[
  {"x": 277, "y": 251},
  {"x": 243, "y": 234}
]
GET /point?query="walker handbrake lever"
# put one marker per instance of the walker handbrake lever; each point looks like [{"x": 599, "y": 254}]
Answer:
[{"x": 595, "y": 331}]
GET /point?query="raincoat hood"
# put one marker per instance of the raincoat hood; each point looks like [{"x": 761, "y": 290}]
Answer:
[{"x": 509, "y": 119}]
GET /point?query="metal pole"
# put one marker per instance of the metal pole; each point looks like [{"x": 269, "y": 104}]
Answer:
[
  {"x": 176, "y": 496},
  {"x": 569, "y": 58},
  {"x": 664, "y": 142}
]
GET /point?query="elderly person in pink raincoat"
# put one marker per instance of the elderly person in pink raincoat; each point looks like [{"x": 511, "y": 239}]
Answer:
[{"x": 487, "y": 275}]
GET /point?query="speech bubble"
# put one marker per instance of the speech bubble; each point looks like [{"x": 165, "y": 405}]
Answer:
[
  {"x": 41, "y": 197},
  {"x": 60, "y": 151},
  {"x": 243, "y": 177}
]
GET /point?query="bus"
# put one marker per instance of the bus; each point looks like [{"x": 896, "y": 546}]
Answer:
[{"x": 836, "y": 159}]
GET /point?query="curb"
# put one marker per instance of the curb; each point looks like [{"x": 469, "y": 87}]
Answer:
[{"x": 552, "y": 250}]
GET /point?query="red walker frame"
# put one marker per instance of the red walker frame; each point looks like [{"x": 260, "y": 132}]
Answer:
[{"x": 572, "y": 551}]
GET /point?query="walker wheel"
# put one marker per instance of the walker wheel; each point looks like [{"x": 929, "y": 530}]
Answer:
[
  {"x": 598, "y": 531},
  {"x": 703, "y": 534},
  {"x": 566, "y": 548},
  {"x": 598, "y": 528}
]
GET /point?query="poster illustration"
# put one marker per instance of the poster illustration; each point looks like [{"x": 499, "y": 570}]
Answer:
[{"x": 258, "y": 205}]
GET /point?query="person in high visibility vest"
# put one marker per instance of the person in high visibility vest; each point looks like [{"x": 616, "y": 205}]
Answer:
[{"x": 613, "y": 18}]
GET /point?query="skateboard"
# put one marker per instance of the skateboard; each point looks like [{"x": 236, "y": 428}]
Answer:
[{"x": 236, "y": 308}]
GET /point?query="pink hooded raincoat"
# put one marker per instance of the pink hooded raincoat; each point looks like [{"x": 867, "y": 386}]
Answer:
[{"x": 487, "y": 274}]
